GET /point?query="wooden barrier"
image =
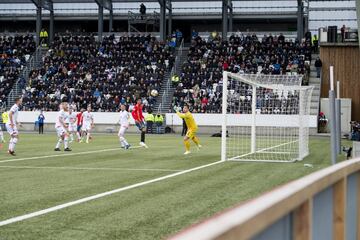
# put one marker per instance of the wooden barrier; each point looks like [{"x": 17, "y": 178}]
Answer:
[{"x": 293, "y": 210}]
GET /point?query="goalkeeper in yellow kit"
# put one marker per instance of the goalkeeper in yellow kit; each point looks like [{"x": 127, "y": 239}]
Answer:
[{"x": 192, "y": 128}]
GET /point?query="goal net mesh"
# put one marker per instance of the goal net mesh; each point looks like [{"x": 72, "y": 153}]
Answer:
[{"x": 266, "y": 118}]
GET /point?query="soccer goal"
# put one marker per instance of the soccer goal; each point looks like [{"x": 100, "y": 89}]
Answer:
[{"x": 265, "y": 118}]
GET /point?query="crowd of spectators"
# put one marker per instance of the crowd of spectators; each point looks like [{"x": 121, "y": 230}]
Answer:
[
  {"x": 200, "y": 82},
  {"x": 14, "y": 52},
  {"x": 82, "y": 71}
]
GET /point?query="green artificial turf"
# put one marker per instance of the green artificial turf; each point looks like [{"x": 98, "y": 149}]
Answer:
[{"x": 153, "y": 211}]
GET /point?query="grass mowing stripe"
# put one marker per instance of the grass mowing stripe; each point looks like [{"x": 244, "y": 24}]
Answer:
[
  {"x": 100, "y": 195},
  {"x": 65, "y": 154},
  {"x": 89, "y": 168}
]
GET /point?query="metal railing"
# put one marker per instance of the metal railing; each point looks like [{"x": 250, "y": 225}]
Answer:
[
  {"x": 174, "y": 70},
  {"x": 16, "y": 91}
]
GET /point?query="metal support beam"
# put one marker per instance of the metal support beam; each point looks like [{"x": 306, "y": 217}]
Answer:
[
  {"x": 224, "y": 19},
  {"x": 100, "y": 22},
  {"x": 111, "y": 20},
  {"x": 231, "y": 15},
  {"x": 51, "y": 27},
  {"x": 38, "y": 24},
  {"x": 45, "y": 4},
  {"x": 170, "y": 22},
  {"x": 162, "y": 19},
  {"x": 300, "y": 20},
  {"x": 107, "y": 4},
  {"x": 306, "y": 16}
]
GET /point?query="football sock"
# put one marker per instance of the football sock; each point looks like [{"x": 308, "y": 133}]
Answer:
[
  {"x": 87, "y": 137},
  {"x": 71, "y": 137},
  {"x": 196, "y": 140},
  {"x": 58, "y": 143},
  {"x": 1, "y": 136},
  {"x": 123, "y": 141},
  {"x": 187, "y": 145},
  {"x": 14, "y": 144},
  {"x": 143, "y": 136},
  {"x": 11, "y": 144},
  {"x": 66, "y": 142},
  {"x": 78, "y": 135}
]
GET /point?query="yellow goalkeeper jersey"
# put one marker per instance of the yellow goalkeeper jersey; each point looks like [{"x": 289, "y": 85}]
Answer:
[
  {"x": 189, "y": 120},
  {"x": 5, "y": 117}
]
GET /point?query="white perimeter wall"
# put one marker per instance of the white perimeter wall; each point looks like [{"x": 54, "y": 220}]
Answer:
[{"x": 201, "y": 119}]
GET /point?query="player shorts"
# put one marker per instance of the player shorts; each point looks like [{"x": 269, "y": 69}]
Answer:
[
  {"x": 72, "y": 128},
  {"x": 79, "y": 128},
  {"x": 60, "y": 131},
  {"x": 122, "y": 130},
  {"x": 141, "y": 125},
  {"x": 12, "y": 131},
  {"x": 86, "y": 127},
  {"x": 191, "y": 133}
]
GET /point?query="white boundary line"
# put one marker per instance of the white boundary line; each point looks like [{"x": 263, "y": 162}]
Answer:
[
  {"x": 65, "y": 154},
  {"x": 100, "y": 195},
  {"x": 259, "y": 151},
  {"x": 96, "y": 169}
]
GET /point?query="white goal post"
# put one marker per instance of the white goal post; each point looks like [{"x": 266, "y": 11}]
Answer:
[{"x": 266, "y": 118}]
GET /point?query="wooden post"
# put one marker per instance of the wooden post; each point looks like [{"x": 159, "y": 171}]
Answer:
[
  {"x": 339, "y": 210},
  {"x": 302, "y": 217}
]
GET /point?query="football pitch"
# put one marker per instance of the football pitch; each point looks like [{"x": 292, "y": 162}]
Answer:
[{"x": 100, "y": 191}]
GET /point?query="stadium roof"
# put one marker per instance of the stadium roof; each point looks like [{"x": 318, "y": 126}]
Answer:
[{"x": 121, "y": 1}]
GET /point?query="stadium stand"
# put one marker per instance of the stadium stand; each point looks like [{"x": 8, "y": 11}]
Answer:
[
  {"x": 15, "y": 51},
  {"x": 201, "y": 75},
  {"x": 80, "y": 70}
]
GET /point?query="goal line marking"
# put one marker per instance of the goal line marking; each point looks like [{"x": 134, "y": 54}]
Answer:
[
  {"x": 100, "y": 195},
  {"x": 263, "y": 150},
  {"x": 94, "y": 168},
  {"x": 64, "y": 154}
]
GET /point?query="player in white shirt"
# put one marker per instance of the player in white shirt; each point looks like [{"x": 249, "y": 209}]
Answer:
[
  {"x": 124, "y": 125},
  {"x": 61, "y": 127},
  {"x": 11, "y": 125},
  {"x": 71, "y": 121},
  {"x": 88, "y": 124}
]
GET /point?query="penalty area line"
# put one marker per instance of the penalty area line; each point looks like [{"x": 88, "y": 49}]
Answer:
[
  {"x": 100, "y": 195},
  {"x": 64, "y": 154}
]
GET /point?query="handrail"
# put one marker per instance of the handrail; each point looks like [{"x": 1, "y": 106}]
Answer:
[
  {"x": 174, "y": 70},
  {"x": 295, "y": 200},
  {"x": 30, "y": 64}
]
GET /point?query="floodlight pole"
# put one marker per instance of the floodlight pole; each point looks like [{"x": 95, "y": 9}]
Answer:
[{"x": 333, "y": 141}]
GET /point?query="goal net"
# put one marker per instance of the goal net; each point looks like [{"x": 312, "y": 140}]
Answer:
[{"x": 265, "y": 118}]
